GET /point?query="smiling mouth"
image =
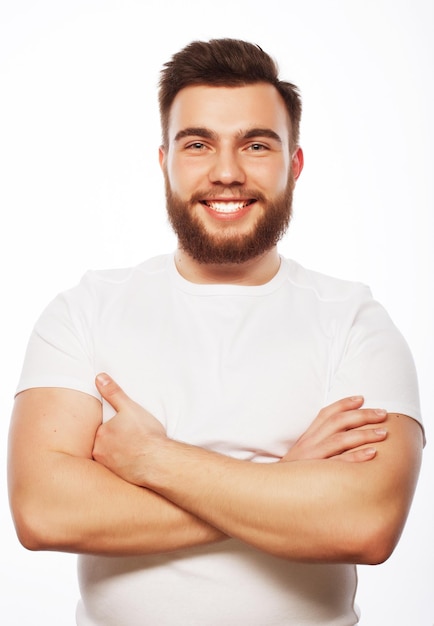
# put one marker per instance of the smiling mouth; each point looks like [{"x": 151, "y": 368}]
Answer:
[{"x": 227, "y": 206}]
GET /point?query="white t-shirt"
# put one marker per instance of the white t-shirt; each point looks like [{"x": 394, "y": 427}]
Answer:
[{"x": 239, "y": 370}]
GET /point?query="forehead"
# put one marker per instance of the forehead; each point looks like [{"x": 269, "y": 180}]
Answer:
[{"x": 229, "y": 110}]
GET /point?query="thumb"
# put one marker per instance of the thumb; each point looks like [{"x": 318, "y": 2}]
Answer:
[{"x": 111, "y": 391}]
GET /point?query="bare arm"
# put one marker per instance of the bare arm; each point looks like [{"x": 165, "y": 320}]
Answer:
[
  {"x": 63, "y": 500},
  {"x": 315, "y": 509}
]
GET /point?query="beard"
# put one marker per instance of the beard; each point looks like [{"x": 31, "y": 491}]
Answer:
[{"x": 225, "y": 248}]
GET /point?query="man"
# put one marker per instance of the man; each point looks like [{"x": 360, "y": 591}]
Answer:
[{"x": 237, "y": 476}]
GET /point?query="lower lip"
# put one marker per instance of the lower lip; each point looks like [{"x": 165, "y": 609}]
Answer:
[{"x": 228, "y": 217}]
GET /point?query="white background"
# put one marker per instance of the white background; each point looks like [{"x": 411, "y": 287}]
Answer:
[{"x": 80, "y": 188}]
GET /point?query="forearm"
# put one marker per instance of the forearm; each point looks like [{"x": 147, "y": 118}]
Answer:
[
  {"x": 63, "y": 500},
  {"x": 290, "y": 509},
  {"x": 85, "y": 508},
  {"x": 322, "y": 510}
]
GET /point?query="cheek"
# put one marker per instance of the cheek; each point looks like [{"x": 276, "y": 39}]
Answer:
[
  {"x": 274, "y": 179},
  {"x": 185, "y": 177},
  {"x": 282, "y": 180}
]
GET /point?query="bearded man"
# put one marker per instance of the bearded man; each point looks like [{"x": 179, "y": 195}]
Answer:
[{"x": 263, "y": 435}]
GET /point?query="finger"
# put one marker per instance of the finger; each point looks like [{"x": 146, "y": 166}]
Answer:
[
  {"x": 358, "y": 456},
  {"x": 342, "y": 443},
  {"x": 111, "y": 391},
  {"x": 340, "y": 406},
  {"x": 346, "y": 421},
  {"x": 357, "y": 419},
  {"x": 344, "y": 404},
  {"x": 336, "y": 445},
  {"x": 350, "y": 440}
]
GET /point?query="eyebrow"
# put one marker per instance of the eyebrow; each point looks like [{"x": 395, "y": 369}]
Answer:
[
  {"x": 261, "y": 132},
  {"x": 206, "y": 133}
]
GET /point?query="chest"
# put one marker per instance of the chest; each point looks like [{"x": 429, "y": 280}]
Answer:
[{"x": 243, "y": 377}]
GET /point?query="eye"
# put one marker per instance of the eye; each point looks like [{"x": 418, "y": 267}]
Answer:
[
  {"x": 196, "y": 146},
  {"x": 257, "y": 147}
]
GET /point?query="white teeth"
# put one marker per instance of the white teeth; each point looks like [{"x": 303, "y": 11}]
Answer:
[{"x": 226, "y": 207}]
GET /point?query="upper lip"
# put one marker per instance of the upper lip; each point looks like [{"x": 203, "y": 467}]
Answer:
[{"x": 231, "y": 200}]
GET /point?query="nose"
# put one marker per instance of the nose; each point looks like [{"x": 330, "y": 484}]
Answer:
[{"x": 226, "y": 168}]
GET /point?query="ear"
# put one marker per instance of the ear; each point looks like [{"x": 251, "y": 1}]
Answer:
[
  {"x": 297, "y": 162},
  {"x": 162, "y": 157}
]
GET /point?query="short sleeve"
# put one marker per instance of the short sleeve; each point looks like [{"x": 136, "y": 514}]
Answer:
[
  {"x": 59, "y": 352},
  {"x": 376, "y": 362}
]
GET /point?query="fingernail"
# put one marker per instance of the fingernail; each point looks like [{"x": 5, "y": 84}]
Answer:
[
  {"x": 380, "y": 431},
  {"x": 103, "y": 379},
  {"x": 356, "y": 398},
  {"x": 381, "y": 411},
  {"x": 370, "y": 451}
]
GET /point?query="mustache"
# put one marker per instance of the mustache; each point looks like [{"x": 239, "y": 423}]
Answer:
[{"x": 227, "y": 192}]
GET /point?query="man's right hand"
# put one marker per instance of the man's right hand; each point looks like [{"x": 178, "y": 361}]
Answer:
[{"x": 341, "y": 430}]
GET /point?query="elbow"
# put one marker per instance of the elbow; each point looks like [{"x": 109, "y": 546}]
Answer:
[
  {"x": 31, "y": 527},
  {"x": 376, "y": 542},
  {"x": 29, "y": 540},
  {"x": 375, "y": 554},
  {"x": 29, "y": 536}
]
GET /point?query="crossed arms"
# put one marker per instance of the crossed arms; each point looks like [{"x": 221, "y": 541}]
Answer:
[{"x": 340, "y": 494}]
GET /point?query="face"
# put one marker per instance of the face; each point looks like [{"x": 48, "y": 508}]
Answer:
[{"x": 229, "y": 171}]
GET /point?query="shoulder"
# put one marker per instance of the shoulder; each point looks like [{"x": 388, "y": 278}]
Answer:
[
  {"x": 99, "y": 291},
  {"x": 103, "y": 283},
  {"x": 119, "y": 276},
  {"x": 346, "y": 308},
  {"x": 325, "y": 288}
]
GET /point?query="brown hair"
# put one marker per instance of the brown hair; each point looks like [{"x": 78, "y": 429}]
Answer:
[{"x": 225, "y": 63}]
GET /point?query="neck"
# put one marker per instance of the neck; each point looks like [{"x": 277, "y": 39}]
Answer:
[{"x": 256, "y": 271}]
